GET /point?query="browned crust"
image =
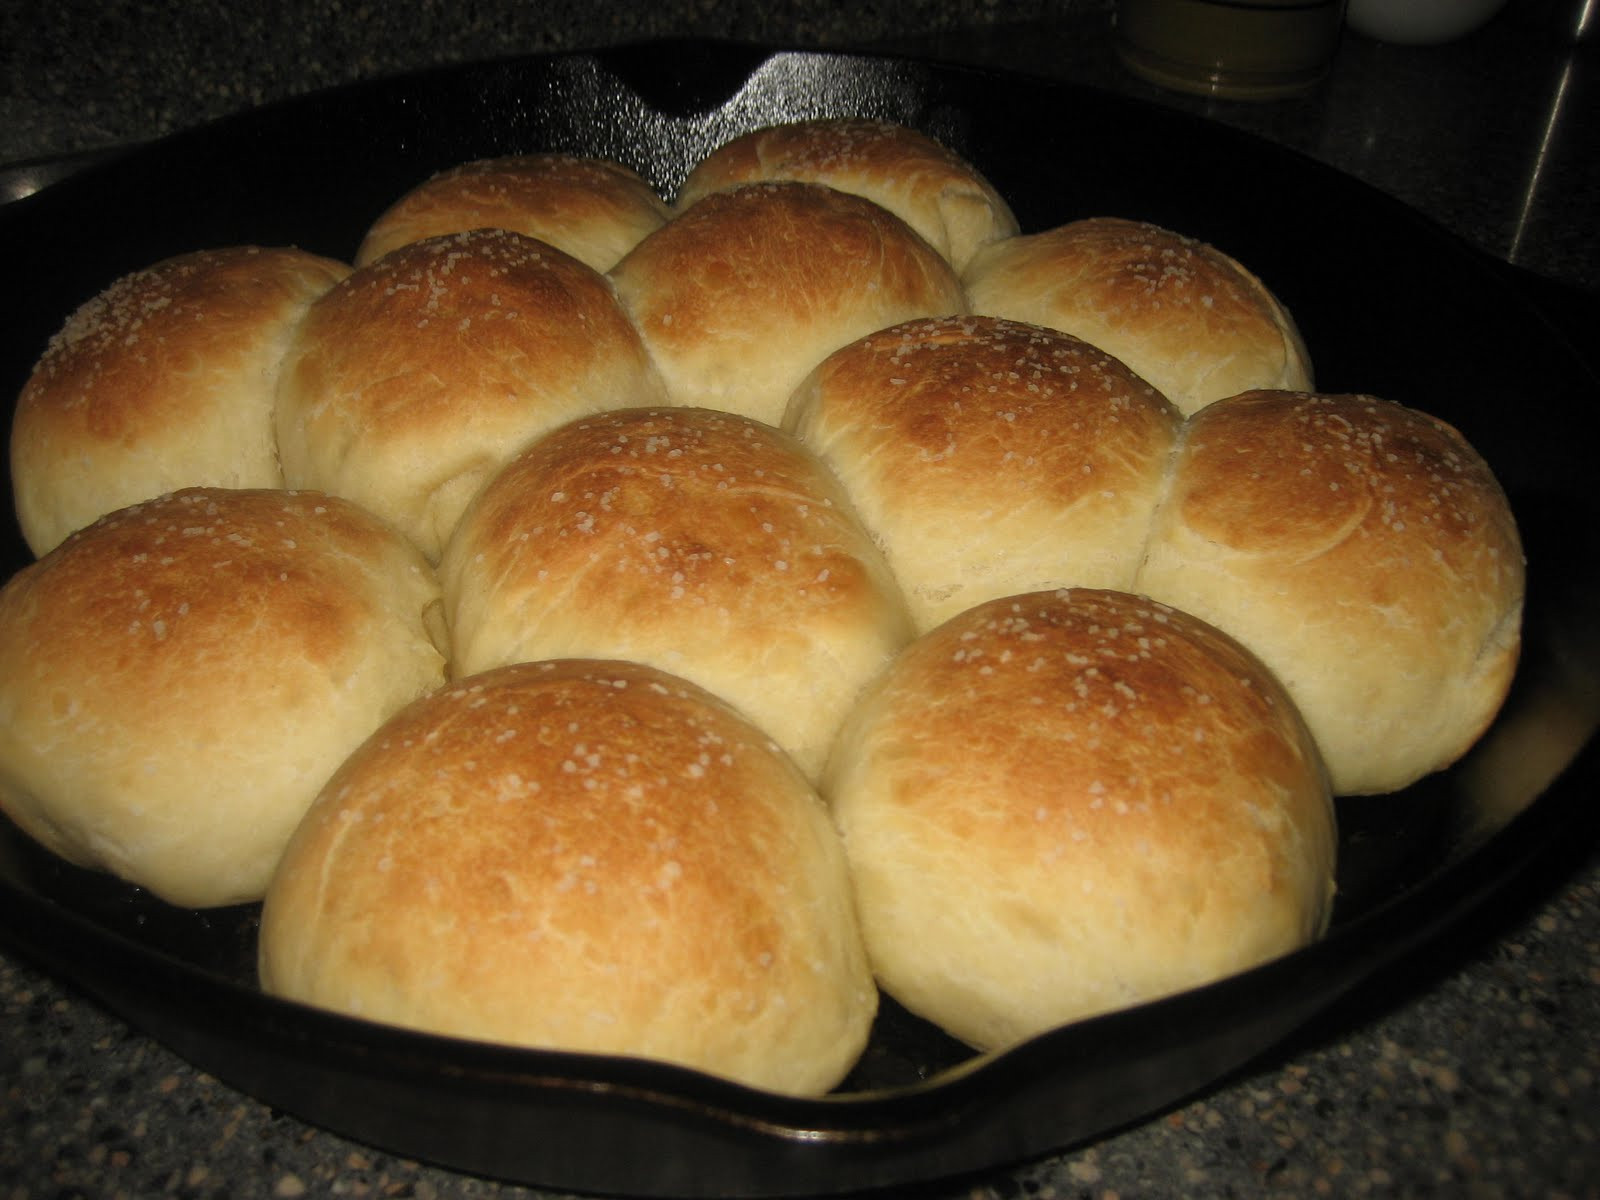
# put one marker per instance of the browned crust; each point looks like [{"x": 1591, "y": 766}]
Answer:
[
  {"x": 1367, "y": 553},
  {"x": 743, "y": 294},
  {"x": 181, "y": 676},
  {"x": 702, "y": 542},
  {"x": 1085, "y": 788},
  {"x": 593, "y": 209},
  {"x": 163, "y": 380},
  {"x": 990, "y": 457},
  {"x": 935, "y": 191},
  {"x": 579, "y": 855},
  {"x": 419, "y": 374},
  {"x": 1190, "y": 319}
]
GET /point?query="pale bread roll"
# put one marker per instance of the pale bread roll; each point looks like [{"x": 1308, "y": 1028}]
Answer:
[
  {"x": 179, "y": 679},
  {"x": 415, "y": 378},
  {"x": 1367, "y": 554},
  {"x": 1188, "y": 318},
  {"x": 701, "y": 542},
  {"x": 585, "y": 856},
  {"x": 743, "y": 294},
  {"x": 1065, "y": 803},
  {"x": 591, "y": 208},
  {"x": 928, "y": 186},
  {"x": 163, "y": 380},
  {"x": 990, "y": 458}
]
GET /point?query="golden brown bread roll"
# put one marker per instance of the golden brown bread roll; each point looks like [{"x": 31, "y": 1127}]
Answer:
[
  {"x": 745, "y": 292},
  {"x": 1064, "y": 803},
  {"x": 589, "y": 856},
  {"x": 164, "y": 380},
  {"x": 1367, "y": 554},
  {"x": 414, "y": 379},
  {"x": 701, "y": 542},
  {"x": 178, "y": 680},
  {"x": 929, "y": 187},
  {"x": 1189, "y": 319},
  {"x": 592, "y": 209},
  {"x": 990, "y": 458}
]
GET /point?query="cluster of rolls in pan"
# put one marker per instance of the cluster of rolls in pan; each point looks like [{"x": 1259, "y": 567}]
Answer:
[{"x": 602, "y": 624}]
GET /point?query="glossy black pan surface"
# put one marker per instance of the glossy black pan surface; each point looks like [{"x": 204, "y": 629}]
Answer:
[{"x": 1388, "y": 303}]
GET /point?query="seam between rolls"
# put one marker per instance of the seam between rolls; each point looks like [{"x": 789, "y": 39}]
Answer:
[{"x": 1169, "y": 475}]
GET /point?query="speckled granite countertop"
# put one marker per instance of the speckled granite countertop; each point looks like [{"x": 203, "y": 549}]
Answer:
[{"x": 1478, "y": 1075}]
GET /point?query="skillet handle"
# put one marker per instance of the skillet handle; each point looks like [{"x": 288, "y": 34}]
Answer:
[{"x": 683, "y": 78}]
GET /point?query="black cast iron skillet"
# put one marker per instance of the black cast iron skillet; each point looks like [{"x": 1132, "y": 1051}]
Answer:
[{"x": 1388, "y": 303}]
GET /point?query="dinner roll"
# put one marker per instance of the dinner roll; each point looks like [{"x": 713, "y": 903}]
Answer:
[
  {"x": 1366, "y": 553},
  {"x": 593, "y": 209},
  {"x": 1064, "y": 803},
  {"x": 164, "y": 380},
  {"x": 178, "y": 679},
  {"x": 705, "y": 543},
  {"x": 926, "y": 185},
  {"x": 1188, "y": 318},
  {"x": 990, "y": 458},
  {"x": 415, "y": 378},
  {"x": 586, "y": 856},
  {"x": 744, "y": 293}
]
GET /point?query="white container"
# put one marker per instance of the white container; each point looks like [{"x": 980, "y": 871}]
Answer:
[{"x": 1419, "y": 22}]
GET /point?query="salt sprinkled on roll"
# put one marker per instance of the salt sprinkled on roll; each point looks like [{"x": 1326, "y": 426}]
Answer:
[
  {"x": 411, "y": 382},
  {"x": 743, "y": 294},
  {"x": 990, "y": 458},
  {"x": 1367, "y": 554},
  {"x": 592, "y": 209},
  {"x": 585, "y": 856},
  {"x": 705, "y": 543},
  {"x": 1189, "y": 319},
  {"x": 162, "y": 381},
  {"x": 931, "y": 188},
  {"x": 179, "y": 679},
  {"x": 1066, "y": 803}
]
